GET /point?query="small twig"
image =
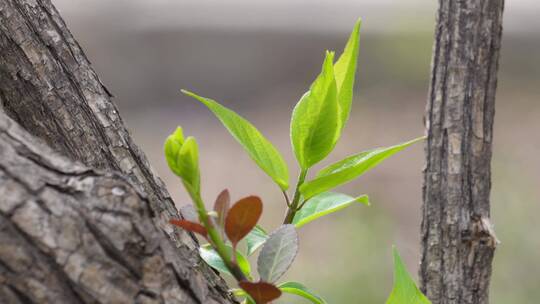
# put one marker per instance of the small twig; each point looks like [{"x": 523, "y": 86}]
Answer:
[
  {"x": 302, "y": 205},
  {"x": 287, "y": 200},
  {"x": 291, "y": 211}
]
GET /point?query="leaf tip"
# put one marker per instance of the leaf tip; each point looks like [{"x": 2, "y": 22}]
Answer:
[
  {"x": 193, "y": 95},
  {"x": 364, "y": 199},
  {"x": 396, "y": 256},
  {"x": 329, "y": 56},
  {"x": 358, "y": 24}
]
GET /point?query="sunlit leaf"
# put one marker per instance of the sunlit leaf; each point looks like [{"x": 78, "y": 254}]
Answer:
[
  {"x": 345, "y": 70},
  {"x": 350, "y": 168},
  {"x": 172, "y": 146},
  {"x": 261, "y": 292},
  {"x": 255, "y": 239},
  {"x": 302, "y": 291},
  {"x": 258, "y": 147},
  {"x": 277, "y": 253},
  {"x": 190, "y": 226},
  {"x": 212, "y": 258},
  {"x": 242, "y": 217},
  {"x": 323, "y": 204},
  {"x": 315, "y": 123},
  {"x": 405, "y": 290},
  {"x": 238, "y": 292},
  {"x": 183, "y": 159},
  {"x": 221, "y": 206}
]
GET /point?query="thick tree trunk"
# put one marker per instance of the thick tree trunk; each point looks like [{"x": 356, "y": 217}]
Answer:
[
  {"x": 70, "y": 234},
  {"x": 48, "y": 86},
  {"x": 458, "y": 242}
]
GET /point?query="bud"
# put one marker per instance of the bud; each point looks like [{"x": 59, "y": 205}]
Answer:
[{"x": 183, "y": 159}]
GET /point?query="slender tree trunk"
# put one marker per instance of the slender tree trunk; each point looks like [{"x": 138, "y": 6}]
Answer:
[
  {"x": 458, "y": 242},
  {"x": 48, "y": 86}
]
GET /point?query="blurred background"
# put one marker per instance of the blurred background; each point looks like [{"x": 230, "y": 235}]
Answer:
[{"x": 259, "y": 57}]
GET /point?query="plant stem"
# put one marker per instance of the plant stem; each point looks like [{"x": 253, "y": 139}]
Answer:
[
  {"x": 217, "y": 241},
  {"x": 293, "y": 208},
  {"x": 287, "y": 200}
]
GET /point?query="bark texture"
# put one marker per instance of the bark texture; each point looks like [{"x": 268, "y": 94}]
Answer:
[
  {"x": 458, "y": 241},
  {"x": 48, "y": 86},
  {"x": 71, "y": 234}
]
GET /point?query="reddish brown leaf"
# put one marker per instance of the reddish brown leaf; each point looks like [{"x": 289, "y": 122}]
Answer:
[
  {"x": 261, "y": 292},
  {"x": 190, "y": 226},
  {"x": 221, "y": 206},
  {"x": 242, "y": 217}
]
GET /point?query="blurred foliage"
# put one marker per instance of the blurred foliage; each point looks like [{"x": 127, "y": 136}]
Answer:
[
  {"x": 360, "y": 238},
  {"x": 516, "y": 271},
  {"x": 264, "y": 70}
]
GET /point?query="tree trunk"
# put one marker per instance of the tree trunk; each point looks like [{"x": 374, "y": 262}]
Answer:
[
  {"x": 71, "y": 234},
  {"x": 458, "y": 242},
  {"x": 48, "y": 86}
]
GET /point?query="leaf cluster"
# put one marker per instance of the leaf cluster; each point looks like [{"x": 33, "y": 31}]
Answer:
[{"x": 317, "y": 122}]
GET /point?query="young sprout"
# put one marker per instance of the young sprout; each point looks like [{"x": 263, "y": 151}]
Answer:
[{"x": 316, "y": 126}]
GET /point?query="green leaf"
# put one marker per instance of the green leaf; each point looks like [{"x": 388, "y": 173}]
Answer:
[
  {"x": 188, "y": 161},
  {"x": 183, "y": 159},
  {"x": 172, "y": 147},
  {"x": 405, "y": 290},
  {"x": 212, "y": 258},
  {"x": 345, "y": 70},
  {"x": 323, "y": 204},
  {"x": 255, "y": 239},
  {"x": 277, "y": 253},
  {"x": 257, "y": 146},
  {"x": 301, "y": 290},
  {"x": 350, "y": 168},
  {"x": 315, "y": 122},
  {"x": 238, "y": 292}
]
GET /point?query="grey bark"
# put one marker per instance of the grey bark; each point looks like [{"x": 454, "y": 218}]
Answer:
[
  {"x": 48, "y": 86},
  {"x": 71, "y": 234},
  {"x": 458, "y": 241}
]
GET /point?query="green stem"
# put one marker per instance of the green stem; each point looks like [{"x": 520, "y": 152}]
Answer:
[
  {"x": 216, "y": 240},
  {"x": 293, "y": 208},
  {"x": 287, "y": 200}
]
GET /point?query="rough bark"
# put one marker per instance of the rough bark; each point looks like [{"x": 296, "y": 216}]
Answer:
[
  {"x": 71, "y": 234},
  {"x": 458, "y": 242},
  {"x": 48, "y": 86}
]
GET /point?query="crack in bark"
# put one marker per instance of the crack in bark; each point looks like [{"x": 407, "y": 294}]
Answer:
[{"x": 457, "y": 239}]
